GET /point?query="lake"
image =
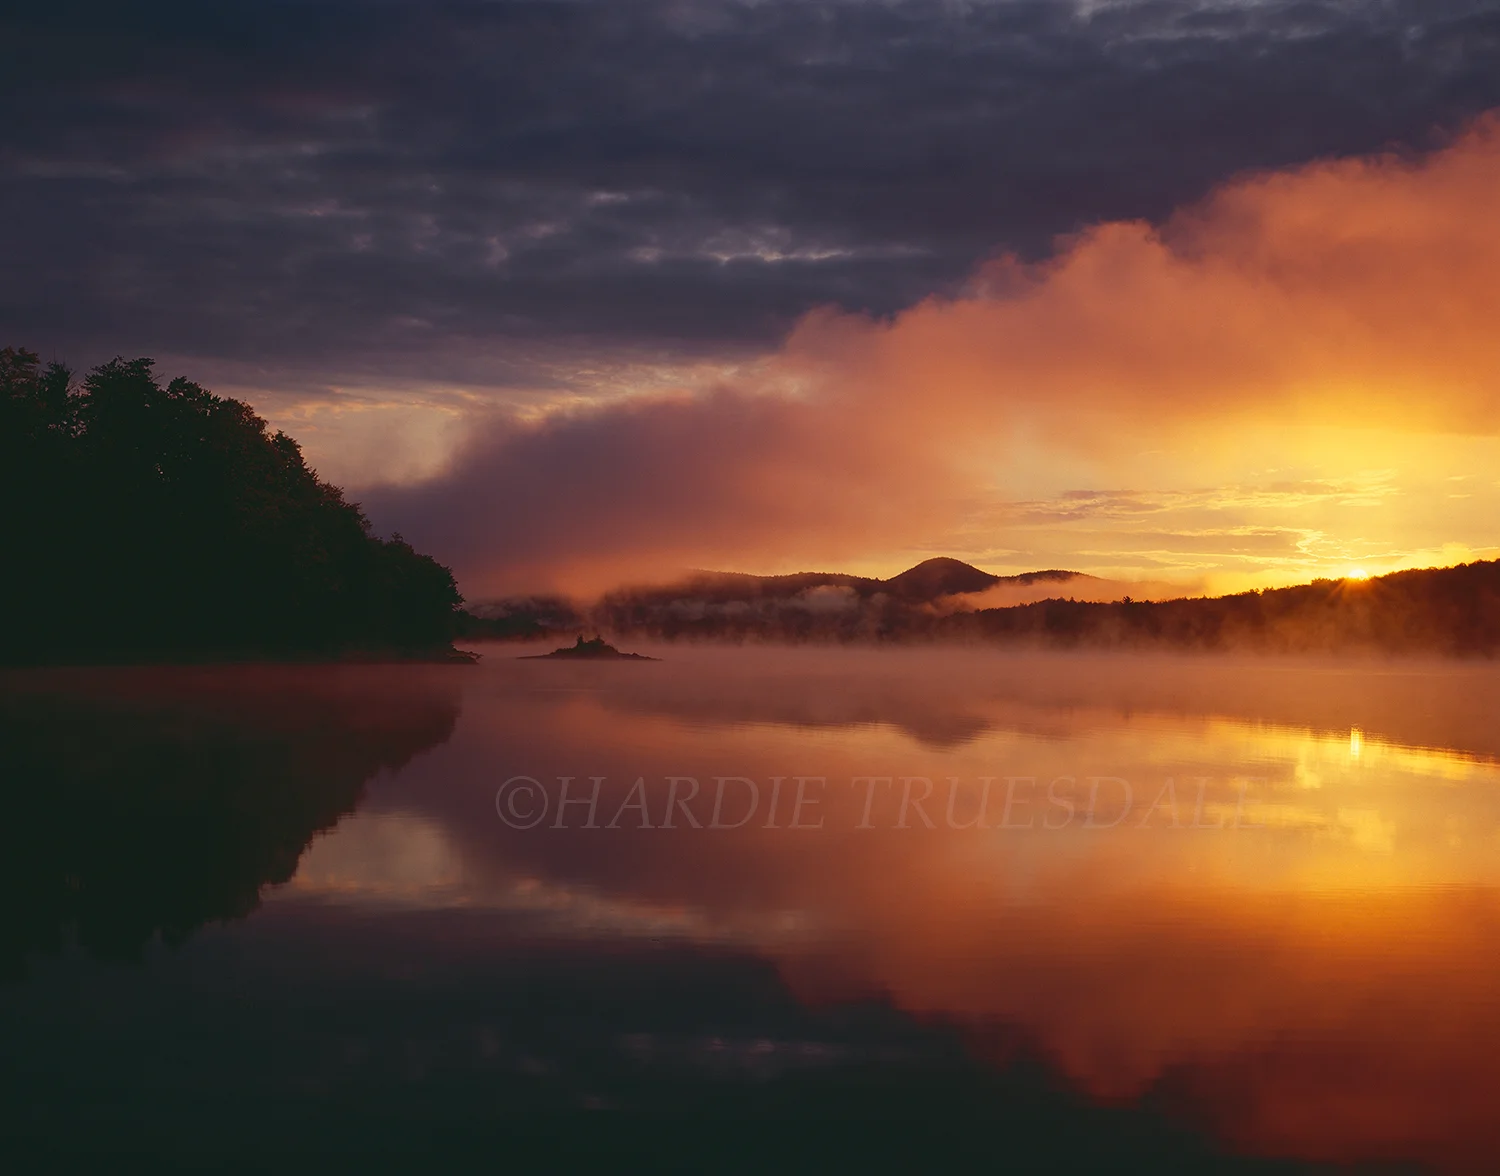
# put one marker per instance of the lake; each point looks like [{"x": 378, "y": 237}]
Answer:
[{"x": 905, "y": 908}]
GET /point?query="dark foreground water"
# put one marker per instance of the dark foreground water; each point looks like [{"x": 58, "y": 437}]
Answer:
[{"x": 847, "y": 910}]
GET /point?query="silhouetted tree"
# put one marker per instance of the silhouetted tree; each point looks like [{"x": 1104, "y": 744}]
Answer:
[{"x": 149, "y": 521}]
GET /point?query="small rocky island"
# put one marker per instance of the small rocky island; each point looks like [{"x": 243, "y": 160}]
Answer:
[{"x": 595, "y": 650}]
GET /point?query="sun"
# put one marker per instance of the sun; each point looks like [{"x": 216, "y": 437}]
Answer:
[{"x": 1358, "y": 574}]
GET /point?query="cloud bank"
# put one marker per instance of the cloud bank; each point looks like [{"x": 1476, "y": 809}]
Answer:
[
  {"x": 1342, "y": 301},
  {"x": 304, "y": 197}
]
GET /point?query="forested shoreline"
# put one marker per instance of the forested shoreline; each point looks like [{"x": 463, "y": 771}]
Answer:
[
  {"x": 1447, "y": 612},
  {"x": 160, "y": 522}
]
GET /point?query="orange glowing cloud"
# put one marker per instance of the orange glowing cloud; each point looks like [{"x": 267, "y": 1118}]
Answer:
[
  {"x": 1362, "y": 287},
  {"x": 1293, "y": 328}
]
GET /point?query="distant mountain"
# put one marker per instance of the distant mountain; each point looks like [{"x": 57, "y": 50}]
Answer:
[
  {"x": 705, "y": 595},
  {"x": 928, "y": 581},
  {"x": 800, "y": 606},
  {"x": 1444, "y": 611},
  {"x": 933, "y": 579}
]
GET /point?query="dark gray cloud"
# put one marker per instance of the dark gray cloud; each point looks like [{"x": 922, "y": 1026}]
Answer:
[{"x": 356, "y": 186}]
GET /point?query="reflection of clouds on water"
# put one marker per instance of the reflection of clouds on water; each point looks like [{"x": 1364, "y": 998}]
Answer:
[
  {"x": 944, "y": 697},
  {"x": 1354, "y": 933},
  {"x": 1368, "y": 830},
  {"x": 144, "y": 803},
  {"x": 401, "y": 859},
  {"x": 380, "y": 856},
  {"x": 1319, "y": 987}
]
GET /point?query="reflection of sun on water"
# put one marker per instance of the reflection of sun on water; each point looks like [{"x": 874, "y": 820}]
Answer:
[{"x": 1312, "y": 895}]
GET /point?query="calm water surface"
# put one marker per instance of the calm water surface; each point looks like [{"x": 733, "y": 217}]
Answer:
[{"x": 916, "y": 908}]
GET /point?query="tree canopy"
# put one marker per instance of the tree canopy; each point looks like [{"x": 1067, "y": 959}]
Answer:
[{"x": 146, "y": 522}]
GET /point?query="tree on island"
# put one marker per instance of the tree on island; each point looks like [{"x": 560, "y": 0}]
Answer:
[{"x": 149, "y": 522}]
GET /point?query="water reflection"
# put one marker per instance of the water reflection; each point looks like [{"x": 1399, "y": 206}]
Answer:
[
  {"x": 147, "y": 803},
  {"x": 1313, "y": 978},
  {"x": 1271, "y": 913}
]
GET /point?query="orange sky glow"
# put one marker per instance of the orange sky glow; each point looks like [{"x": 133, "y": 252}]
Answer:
[{"x": 1297, "y": 377}]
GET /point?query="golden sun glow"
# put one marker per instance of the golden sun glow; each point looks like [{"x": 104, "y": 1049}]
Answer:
[{"x": 1358, "y": 574}]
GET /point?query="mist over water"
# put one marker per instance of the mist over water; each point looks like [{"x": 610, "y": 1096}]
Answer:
[{"x": 1253, "y": 900}]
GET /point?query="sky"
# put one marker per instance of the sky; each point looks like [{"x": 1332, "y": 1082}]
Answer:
[{"x": 574, "y": 292}]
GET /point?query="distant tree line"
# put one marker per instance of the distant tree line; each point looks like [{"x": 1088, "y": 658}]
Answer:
[
  {"x": 1442, "y": 611},
  {"x": 1451, "y": 612},
  {"x": 149, "y": 522}
]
